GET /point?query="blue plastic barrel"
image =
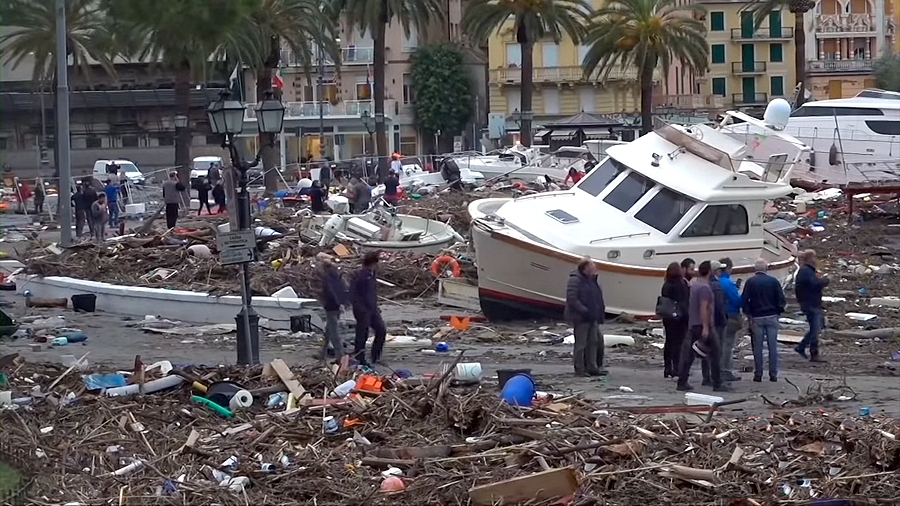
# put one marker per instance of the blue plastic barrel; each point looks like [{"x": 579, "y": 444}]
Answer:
[{"x": 519, "y": 390}]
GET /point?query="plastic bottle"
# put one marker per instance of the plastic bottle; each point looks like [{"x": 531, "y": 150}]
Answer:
[
  {"x": 59, "y": 341},
  {"x": 344, "y": 388},
  {"x": 75, "y": 336}
]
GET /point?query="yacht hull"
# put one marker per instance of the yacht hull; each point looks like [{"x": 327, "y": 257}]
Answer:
[{"x": 519, "y": 278}]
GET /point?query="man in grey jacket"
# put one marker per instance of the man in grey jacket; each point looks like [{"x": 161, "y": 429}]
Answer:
[
  {"x": 172, "y": 198},
  {"x": 585, "y": 310}
]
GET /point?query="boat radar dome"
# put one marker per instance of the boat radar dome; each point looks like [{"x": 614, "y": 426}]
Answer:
[{"x": 777, "y": 114}]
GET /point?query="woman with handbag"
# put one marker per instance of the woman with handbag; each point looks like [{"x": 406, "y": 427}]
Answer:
[{"x": 672, "y": 307}]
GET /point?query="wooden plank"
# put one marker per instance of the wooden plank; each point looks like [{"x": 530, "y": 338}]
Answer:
[
  {"x": 545, "y": 485},
  {"x": 287, "y": 377}
]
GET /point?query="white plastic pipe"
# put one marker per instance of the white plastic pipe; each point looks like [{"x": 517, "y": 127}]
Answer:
[{"x": 149, "y": 387}]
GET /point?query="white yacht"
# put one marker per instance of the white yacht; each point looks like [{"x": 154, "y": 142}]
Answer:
[
  {"x": 519, "y": 162},
  {"x": 681, "y": 191},
  {"x": 863, "y": 130}
]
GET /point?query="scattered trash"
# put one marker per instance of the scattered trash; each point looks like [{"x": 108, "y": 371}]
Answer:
[
  {"x": 862, "y": 317},
  {"x": 99, "y": 381}
]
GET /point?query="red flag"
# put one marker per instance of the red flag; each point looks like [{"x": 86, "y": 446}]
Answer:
[{"x": 277, "y": 81}]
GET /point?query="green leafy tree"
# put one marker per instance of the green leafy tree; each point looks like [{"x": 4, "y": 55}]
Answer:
[
  {"x": 182, "y": 35},
  {"x": 645, "y": 34},
  {"x": 887, "y": 71},
  {"x": 32, "y": 33},
  {"x": 761, "y": 10},
  {"x": 373, "y": 16},
  {"x": 443, "y": 100},
  {"x": 532, "y": 20},
  {"x": 300, "y": 25}
]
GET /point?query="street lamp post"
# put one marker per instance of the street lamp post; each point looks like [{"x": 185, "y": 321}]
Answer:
[
  {"x": 369, "y": 123},
  {"x": 226, "y": 117}
]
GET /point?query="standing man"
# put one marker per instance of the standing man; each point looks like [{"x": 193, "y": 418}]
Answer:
[
  {"x": 39, "y": 196},
  {"x": 334, "y": 296},
  {"x": 585, "y": 309},
  {"x": 90, "y": 196},
  {"x": 112, "y": 200},
  {"x": 763, "y": 301},
  {"x": 364, "y": 298},
  {"x": 687, "y": 266},
  {"x": 82, "y": 209},
  {"x": 325, "y": 175},
  {"x": 172, "y": 197},
  {"x": 808, "y": 287},
  {"x": 734, "y": 322},
  {"x": 701, "y": 327},
  {"x": 218, "y": 193},
  {"x": 213, "y": 174},
  {"x": 100, "y": 215},
  {"x": 720, "y": 319},
  {"x": 203, "y": 195},
  {"x": 391, "y": 183},
  {"x": 396, "y": 164}
]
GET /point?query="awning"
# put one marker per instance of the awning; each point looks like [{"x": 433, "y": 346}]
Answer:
[
  {"x": 595, "y": 133},
  {"x": 542, "y": 133},
  {"x": 562, "y": 135}
]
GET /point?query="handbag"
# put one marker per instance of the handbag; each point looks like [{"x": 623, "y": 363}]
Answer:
[{"x": 667, "y": 309}]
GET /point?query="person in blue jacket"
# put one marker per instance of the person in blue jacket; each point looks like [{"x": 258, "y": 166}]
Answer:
[
  {"x": 734, "y": 321},
  {"x": 808, "y": 287},
  {"x": 364, "y": 298}
]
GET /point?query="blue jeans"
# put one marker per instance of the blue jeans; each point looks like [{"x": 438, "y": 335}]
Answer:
[
  {"x": 113, "y": 214},
  {"x": 765, "y": 330},
  {"x": 816, "y": 319}
]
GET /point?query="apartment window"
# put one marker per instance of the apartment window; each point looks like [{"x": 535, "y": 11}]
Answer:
[
  {"x": 513, "y": 100},
  {"x": 364, "y": 89},
  {"x": 664, "y": 210},
  {"x": 411, "y": 41},
  {"x": 588, "y": 99},
  {"x": 629, "y": 191},
  {"x": 409, "y": 91},
  {"x": 3, "y": 144},
  {"x": 718, "y": 86},
  {"x": 717, "y": 21},
  {"x": 513, "y": 55},
  {"x": 408, "y": 144},
  {"x": 551, "y": 100},
  {"x": 776, "y": 53},
  {"x": 165, "y": 139},
  {"x": 129, "y": 141},
  {"x": 728, "y": 219},
  {"x": 775, "y": 23},
  {"x": 776, "y": 86},
  {"x": 582, "y": 53},
  {"x": 717, "y": 52},
  {"x": 93, "y": 142},
  {"x": 550, "y": 55}
]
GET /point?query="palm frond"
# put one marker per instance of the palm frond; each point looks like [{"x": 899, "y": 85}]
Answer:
[{"x": 532, "y": 19}]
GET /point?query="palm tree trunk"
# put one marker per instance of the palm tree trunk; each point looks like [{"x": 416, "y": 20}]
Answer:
[
  {"x": 183, "y": 135},
  {"x": 527, "y": 91},
  {"x": 800, "y": 56},
  {"x": 381, "y": 149},
  {"x": 267, "y": 151},
  {"x": 647, "y": 97}
]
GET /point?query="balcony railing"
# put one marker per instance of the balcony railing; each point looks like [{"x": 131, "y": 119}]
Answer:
[
  {"x": 564, "y": 75},
  {"x": 350, "y": 55},
  {"x": 748, "y": 67},
  {"x": 786, "y": 33},
  {"x": 306, "y": 110},
  {"x": 840, "y": 65},
  {"x": 688, "y": 102},
  {"x": 749, "y": 98},
  {"x": 841, "y": 25}
]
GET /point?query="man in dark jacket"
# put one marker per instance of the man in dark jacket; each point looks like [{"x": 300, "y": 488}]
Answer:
[
  {"x": 82, "y": 209},
  {"x": 585, "y": 310},
  {"x": 808, "y": 288},
  {"x": 334, "y": 296},
  {"x": 763, "y": 301},
  {"x": 701, "y": 325},
  {"x": 171, "y": 191},
  {"x": 365, "y": 310},
  {"x": 720, "y": 319}
]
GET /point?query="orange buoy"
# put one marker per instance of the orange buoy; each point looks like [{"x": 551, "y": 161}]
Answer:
[{"x": 440, "y": 264}]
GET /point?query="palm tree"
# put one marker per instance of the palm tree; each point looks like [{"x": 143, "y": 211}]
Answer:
[
  {"x": 532, "y": 20},
  {"x": 646, "y": 34},
  {"x": 181, "y": 35},
  {"x": 373, "y": 16},
  {"x": 300, "y": 25},
  {"x": 32, "y": 33},
  {"x": 761, "y": 10}
]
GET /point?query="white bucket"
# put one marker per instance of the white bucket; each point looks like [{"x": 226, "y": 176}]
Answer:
[
  {"x": 468, "y": 371},
  {"x": 693, "y": 399}
]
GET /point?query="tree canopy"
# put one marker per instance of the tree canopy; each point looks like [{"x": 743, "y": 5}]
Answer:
[
  {"x": 443, "y": 90},
  {"x": 887, "y": 72}
]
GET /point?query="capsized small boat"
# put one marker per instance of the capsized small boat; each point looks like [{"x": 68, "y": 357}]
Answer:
[{"x": 379, "y": 228}]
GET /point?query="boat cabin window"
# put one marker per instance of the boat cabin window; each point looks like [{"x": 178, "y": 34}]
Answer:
[
  {"x": 629, "y": 191},
  {"x": 806, "y": 111},
  {"x": 884, "y": 127},
  {"x": 601, "y": 175},
  {"x": 665, "y": 210},
  {"x": 728, "y": 219}
]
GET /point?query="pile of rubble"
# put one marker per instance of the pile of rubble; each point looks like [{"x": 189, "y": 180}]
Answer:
[{"x": 323, "y": 436}]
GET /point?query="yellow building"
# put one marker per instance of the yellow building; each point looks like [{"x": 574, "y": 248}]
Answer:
[{"x": 748, "y": 67}]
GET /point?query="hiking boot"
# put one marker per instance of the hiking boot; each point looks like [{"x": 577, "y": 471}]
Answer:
[
  {"x": 706, "y": 383},
  {"x": 817, "y": 359},
  {"x": 599, "y": 372},
  {"x": 722, "y": 388},
  {"x": 732, "y": 377},
  {"x": 683, "y": 387},
  {"x": 773, "y": 379},
  {"x": 801, "y": 352},
  {"x": 757, "y": 378}
]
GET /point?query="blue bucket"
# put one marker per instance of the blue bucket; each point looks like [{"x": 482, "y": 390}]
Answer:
[{"x": 519, "y": 390}]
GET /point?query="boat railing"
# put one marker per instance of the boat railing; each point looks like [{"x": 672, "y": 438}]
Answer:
[
  {"x": 548, "y": 194},
  {"x": 624, "y": 236}
]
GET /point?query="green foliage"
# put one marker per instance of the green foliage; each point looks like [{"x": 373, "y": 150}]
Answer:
[
  {"x": 887, "y": 72},
  {"x": 532, "y": 19},
  {"x": 444, "y": 95},
  {"x": 368, "y": 14}
]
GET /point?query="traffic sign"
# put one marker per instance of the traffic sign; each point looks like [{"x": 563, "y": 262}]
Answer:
[
  {"x": 235, "y": 256},
  {"x": 238, "y": 240}
]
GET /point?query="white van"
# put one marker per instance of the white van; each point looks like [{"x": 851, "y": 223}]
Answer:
[
  {"x": 200, "y": 166},
  {"x": 102, "y": 171}
]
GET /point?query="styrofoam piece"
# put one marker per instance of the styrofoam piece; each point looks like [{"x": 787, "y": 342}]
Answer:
[
  {"x": 285, "y": 292},
  {"x": 617, "y": 340},
  {"x": 889, "y": 301}
]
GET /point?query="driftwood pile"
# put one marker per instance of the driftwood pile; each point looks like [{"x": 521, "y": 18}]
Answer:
[{"x": 446, "y": 444}]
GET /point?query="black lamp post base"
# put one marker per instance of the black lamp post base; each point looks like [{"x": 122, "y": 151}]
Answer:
[{"x": 244, "y": 335}]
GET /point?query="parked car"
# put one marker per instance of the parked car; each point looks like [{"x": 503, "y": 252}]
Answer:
[{"x": 112, "y": 169}]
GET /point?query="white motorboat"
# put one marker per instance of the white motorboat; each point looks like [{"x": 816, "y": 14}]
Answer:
[
  {"x": 379, "y": 229},
  {"x": 679, "y": 192},
  {"x": 519, "y": 162}
]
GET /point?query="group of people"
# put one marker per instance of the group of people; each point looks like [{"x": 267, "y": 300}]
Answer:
[
  {"x": 97, "y": 209},
  {"x": 703, "y": 311}
]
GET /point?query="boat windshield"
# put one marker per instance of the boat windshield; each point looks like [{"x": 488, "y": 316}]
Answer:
[{"x": 601, "y": 175}]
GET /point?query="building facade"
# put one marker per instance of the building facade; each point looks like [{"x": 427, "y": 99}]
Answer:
[
  {"x": 748, "y": 66},
  {"x": 843, "y": 41}
]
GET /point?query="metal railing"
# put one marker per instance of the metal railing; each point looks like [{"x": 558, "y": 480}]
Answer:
[
  {"x": 350, "y": 55},
  {"x": 565, "y": 74},
  {"x": 296, "y": 110},
  {"x": 840, "y": 65},
  {"x": 785, "y": 33},
  {"x": 689, "y": 101},
  {"x": 840, "y": 24},
  {"x": 749, "y": 98},
  {"x": 748, "y": 67}
]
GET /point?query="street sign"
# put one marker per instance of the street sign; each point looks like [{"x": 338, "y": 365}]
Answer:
[
  {"x": 239, "y": 240},
  {"x": 235, "y": 256}
]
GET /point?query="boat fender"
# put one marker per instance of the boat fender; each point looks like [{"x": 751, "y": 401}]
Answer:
[
  {"x": 812, "y": 161},
  {"x": 442, "y": 262},
  {"x": 833, "y": 155}
]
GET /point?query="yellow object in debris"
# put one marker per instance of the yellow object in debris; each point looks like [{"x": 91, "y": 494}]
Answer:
[{"x": 277, "y": 263}]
